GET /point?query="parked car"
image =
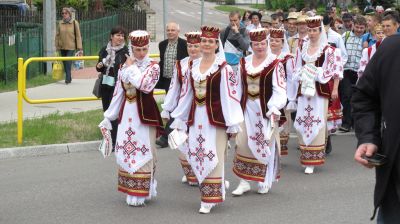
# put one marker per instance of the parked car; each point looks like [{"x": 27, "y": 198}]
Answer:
[{"x": 19, "y": 5}]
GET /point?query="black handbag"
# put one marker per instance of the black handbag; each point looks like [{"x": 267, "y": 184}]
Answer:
[{"x": 97, "y": 86}]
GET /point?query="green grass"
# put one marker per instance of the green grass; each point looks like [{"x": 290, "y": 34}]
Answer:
[
  {"x": 258, "y": 6},
  {"x": 54, "y": 129},
  {"x": 38, "y": 80},
  {"x": 229, "y": 8}
]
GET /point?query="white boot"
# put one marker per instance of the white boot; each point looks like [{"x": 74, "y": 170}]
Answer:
[
  {"x": 309, "y": 170},
  {"x": 128, "y": 199},
  {"x": 184, "y": 179},
  {"x": 205, "y": 209},
  {"x": 262, "y": 189},
  {"x": 243, "y": 187},
  {"x": 227, "y": 184}
]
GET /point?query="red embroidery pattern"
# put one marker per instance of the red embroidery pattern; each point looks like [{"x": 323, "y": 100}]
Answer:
[
  {"x": 312, "y": 155},
  {"x": 249, "y": 168},
  {"x": 308, "y": 121},
  {"x": 200, "y": 153},
  {"x": 211, "y": 190},
  {"x": 137, "y": 184},
  {"x": 188, "y": 171},
  {"x": 130, "y": 148},
  {"x": 262, "y": 143},
  {"x": 281, "y": 76}
]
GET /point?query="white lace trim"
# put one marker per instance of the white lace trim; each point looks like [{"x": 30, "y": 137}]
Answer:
[
  {"x": 252, "y": 70},
  {"x": 311, "y": 58},
  {"x": 198, "y": 76}
]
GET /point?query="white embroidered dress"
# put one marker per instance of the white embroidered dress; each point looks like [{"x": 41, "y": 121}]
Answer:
[
  {"x": 202, "y": 147},
  {"x": 311, "y": 115},
  {"x": 132, "y": 135},
  {"x": 258, "y": 128}
]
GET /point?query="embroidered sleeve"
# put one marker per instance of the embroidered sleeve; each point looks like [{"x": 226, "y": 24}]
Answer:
[
  {"x": 172, "y": 97},
  {"x": 332, "y": 67},
  {"x": 184, "y": 104},
  {"x": 292, "y": 85},
  {"x": 231, "y": 93},
  {"x": 145, "y": 81},
  {"x": 279, "y": 98},
  {"x": 117, "y": 100},
  {"x": 363, "y": 62}
]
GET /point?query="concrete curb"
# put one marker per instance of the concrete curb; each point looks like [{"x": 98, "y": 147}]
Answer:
[
  {"x": 57, "y": 149},
  {"x": 45, "y": 150}
]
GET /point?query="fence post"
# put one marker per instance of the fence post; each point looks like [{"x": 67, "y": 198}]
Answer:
[
  {"x": 19, "y": 110},
  {"x": 4, "y": 56}
]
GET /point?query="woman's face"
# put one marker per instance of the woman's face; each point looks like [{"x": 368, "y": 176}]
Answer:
[
  {"x": 193, "y": 50},
  {"x": 259, "y": 48},
  {"x": 276, "y": 44},
  {"x": 140, "y": 52},
  {"x": 208, "y": 45},
  {"x": 65, "y": 14},
  {"x": 117, "y": 39},
  {"x": 314, "y": 33}
]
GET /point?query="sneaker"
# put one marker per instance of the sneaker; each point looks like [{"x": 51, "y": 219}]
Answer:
[
  {"x": 184, "y": 179},
  {"x": 344, "y": 129},
  {"x": 205, "y": 209},
  {"x": 309, "y": 170},
  {"x": 242, "y": 188}
]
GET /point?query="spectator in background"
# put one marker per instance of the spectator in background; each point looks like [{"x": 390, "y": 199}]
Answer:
[
  {"x": 68, "y": 39},
  {"x": 379, "y": 9},
  {"x": 334, "y": 39},
  {"x": 347, "y": 22},
  {"x": 390, "y": 23},
  {"x": 372, "y": 21},
  {"x": 245, "y": 19},
  {"x": 266, "y": 22},
  {"x": 255, "y": 18},
  {"x": 338, "y": 26},
  {"x": 291, "y": 25},
  {"x": 111, "y": 58},
  {"x": 235, "y": 40},
  {"x": 172, "y": 49},
  {"x": 276, "y": 23},
  {"x": 353, "y": 44}
]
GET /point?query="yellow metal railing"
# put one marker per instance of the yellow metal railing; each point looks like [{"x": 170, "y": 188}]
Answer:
[{"x": 22, "y": 68}]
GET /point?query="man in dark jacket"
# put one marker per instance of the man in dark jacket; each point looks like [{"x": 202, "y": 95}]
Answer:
[
  {"x": 239, "y": 41},
  {"x": 172, "y": 49},
  {"x": 376, "y": 109}
]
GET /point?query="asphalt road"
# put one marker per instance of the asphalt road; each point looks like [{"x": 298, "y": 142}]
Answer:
[{"x": 82, "y": 188}]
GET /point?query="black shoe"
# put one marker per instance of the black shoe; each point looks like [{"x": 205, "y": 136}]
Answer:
[
  {"x": 162, "y": 142},
  {"x": 328, "y": 147},
  {"x": 344, "y": 129}
]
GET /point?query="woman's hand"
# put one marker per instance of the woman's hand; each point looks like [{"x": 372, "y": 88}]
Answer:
[
  {"x": 334, "y": 94},
  {"x": 129, "y": 61}
]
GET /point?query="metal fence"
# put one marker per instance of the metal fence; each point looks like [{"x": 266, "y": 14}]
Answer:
[{"x": 24, "y": 38}]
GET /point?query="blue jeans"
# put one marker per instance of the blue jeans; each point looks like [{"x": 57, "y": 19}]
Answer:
[{"x": 67, "y": 64}]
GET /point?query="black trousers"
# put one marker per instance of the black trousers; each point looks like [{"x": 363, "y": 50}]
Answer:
[
  {"x": 345, "y": 92},
  {"x": 389, "y": 211},
  {"x": 106, "y": 96}
]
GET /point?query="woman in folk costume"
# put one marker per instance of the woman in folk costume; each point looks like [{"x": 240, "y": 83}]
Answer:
[
  {"x": 136, "y": 110},
  {"x": 319, "y": 64},
  {"x": 177, "y": 89},
  {"x": 264, "y": 94},
  {"x": 370, "y": 51},
  {"x": 279, "y": 47},
  {"x": 212, "y": 110}
]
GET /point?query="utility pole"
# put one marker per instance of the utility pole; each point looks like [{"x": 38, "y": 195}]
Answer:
[
  {"x": 49, "y": 31},
  {"x": 165, "y": 18},
  {"x": 202, "y": 13}
]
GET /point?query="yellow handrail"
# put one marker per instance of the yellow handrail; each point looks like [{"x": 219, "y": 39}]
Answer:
[{"x": 22, "y": 68}]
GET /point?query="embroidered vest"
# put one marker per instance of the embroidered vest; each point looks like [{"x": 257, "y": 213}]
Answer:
[
  {"x": 212, "y": 99},
  {"x": 265, "y": 84},
  {"x": 323, "y": 90}
]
